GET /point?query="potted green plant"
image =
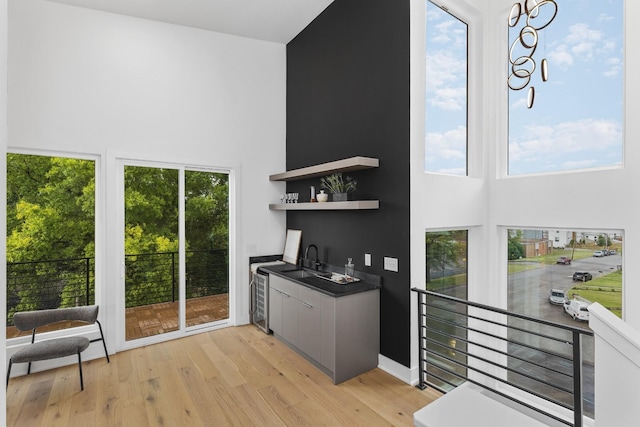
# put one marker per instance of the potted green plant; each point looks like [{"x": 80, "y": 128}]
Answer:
[{"x": 338, "y": 186}]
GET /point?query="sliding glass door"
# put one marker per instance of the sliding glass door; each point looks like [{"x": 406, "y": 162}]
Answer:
[
  {"x": 176, "y": 242},
  {"x": 207, "y": 246}
]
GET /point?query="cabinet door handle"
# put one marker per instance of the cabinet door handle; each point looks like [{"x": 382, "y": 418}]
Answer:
[
  {"x": 252, "y": 304},
  {"x": 307, "y": 305},
  {"x": 286, "y": 295}
]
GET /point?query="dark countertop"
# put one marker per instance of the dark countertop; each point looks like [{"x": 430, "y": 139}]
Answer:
[{"x": 324, "y": 286}]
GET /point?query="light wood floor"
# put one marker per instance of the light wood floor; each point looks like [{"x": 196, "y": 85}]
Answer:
[{"x": 229, "y": 377}]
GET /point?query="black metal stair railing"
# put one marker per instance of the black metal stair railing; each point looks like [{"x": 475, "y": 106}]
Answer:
[{"x": 462, "y": 341}]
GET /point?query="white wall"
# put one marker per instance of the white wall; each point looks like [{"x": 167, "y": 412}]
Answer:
[
  {"x": 617, "y": 362},
  {"x": 3, "y": 182},
  {"x": 488, "y": 201},
  {"x": 441, "y": 202},
  {"x": 85, "y": 81}
]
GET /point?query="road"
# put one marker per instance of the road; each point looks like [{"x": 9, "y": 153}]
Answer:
[{"x": 529, "y": 290}]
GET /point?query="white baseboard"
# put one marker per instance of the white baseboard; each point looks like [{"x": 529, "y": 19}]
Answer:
[{"x": 407, "y": 375}]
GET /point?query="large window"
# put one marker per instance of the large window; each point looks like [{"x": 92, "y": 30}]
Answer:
[
  {"x": 446, "y": 93},
  {"x": 50, "y": 233},
  {"x": 554, "y": 275},
  {"x": 446, "y": 264},
  {"x": 581, "y": 264},
  {"x": 575, "y": 120}
]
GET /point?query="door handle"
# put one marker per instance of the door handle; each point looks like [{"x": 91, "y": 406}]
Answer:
[{"x": 252, "y": 304}]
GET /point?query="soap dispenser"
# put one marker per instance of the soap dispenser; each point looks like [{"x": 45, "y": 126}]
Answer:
[{"x": 348, "y": 268}]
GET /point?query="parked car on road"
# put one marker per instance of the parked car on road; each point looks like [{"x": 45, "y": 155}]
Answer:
[
  {"x": 598, "y": 254},
  {"x": 557, "y": 296},
  {"x": 582, "y": 276},
  {"x": 577, "y": 309},
  {"x": 563, "y": 260},
  {"x": 612, "y": 251}
]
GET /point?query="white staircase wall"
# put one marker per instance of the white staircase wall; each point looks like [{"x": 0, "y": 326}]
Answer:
[{"x": 617, "y": 369}]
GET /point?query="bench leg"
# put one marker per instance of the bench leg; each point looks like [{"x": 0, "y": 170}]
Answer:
[
  {"x": 80, "y": 368},
  {"x": 9, "y": 372}
]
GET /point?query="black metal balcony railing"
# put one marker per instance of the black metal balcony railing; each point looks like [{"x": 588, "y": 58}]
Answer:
[
  {"x": 49, "y": 284},
  {"x": 150, "y": 279},
  {"x": 463, "y": 341},
  {"x": 153, "y": 278}
]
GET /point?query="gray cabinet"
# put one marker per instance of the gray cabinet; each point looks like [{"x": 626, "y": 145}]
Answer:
[
  {"x": 340, "y": 335},
  {"x": 309, "y": 308},
  {"x": 275, "y": 304},
  {"x": 281, "y": 294}
]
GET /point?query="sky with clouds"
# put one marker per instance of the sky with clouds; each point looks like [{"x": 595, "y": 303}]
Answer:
[{"x": 576, "y": 119}]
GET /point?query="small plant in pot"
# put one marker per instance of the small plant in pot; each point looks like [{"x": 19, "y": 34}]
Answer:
[{"x": 338, "y": 186}]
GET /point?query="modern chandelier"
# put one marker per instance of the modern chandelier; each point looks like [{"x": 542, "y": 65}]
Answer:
[{"x": 536, "y": 15}]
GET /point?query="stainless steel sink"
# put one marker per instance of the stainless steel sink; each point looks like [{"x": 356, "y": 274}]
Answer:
[
  {"x": 297, "y": 274},
  {"x": 301, "y": 273}
]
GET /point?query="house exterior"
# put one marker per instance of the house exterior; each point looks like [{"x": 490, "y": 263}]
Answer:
[
  {"x": 561, "y": 238},
  {"x": 121, "y": 89},
  {"x": 535, "y": 248}
]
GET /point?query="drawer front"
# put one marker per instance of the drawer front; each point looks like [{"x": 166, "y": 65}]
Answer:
[
  {"x": 311, "y": 297},
  {"x": 283, "y": 285}
]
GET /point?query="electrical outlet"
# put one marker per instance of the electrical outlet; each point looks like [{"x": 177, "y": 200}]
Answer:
[
  {"x": 367, "y": 260},
  {"x": 391, "y": 264}
]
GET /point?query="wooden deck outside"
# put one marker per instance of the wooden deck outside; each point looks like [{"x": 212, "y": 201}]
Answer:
[
  {"x": 154, "y": 319},
  {"x": 148, "y": 320}
]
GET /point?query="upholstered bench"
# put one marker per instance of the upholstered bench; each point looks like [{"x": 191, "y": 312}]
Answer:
[{"x": 54, "y": 347}]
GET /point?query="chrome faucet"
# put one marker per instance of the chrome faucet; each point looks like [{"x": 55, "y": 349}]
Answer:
[{"x": 306, "y": 255}]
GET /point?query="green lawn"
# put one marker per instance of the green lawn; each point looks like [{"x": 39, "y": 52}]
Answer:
[
  {"x": 446, "y": 282},
  {"x": 557, "y": 253},
  {"x": 606, "y": 290}
]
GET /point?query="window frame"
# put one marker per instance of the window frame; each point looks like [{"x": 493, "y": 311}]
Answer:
[
  {"x": 460, "y": 16},
  {"x": 503, "y": 108},
  {"x": 99, "y": 233},
  {"x": 120, "y": 161}
]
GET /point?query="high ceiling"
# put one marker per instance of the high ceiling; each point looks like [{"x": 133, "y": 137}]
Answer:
[{"x": 272, "y": 20}]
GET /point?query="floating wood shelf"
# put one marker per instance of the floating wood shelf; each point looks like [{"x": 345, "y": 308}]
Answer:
[
  {"x": 326, "y": 206},
  {"x": 344, "y": 165}
]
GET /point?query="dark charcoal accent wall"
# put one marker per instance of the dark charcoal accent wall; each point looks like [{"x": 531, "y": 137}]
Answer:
[{"x": 348, "y": 95}]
